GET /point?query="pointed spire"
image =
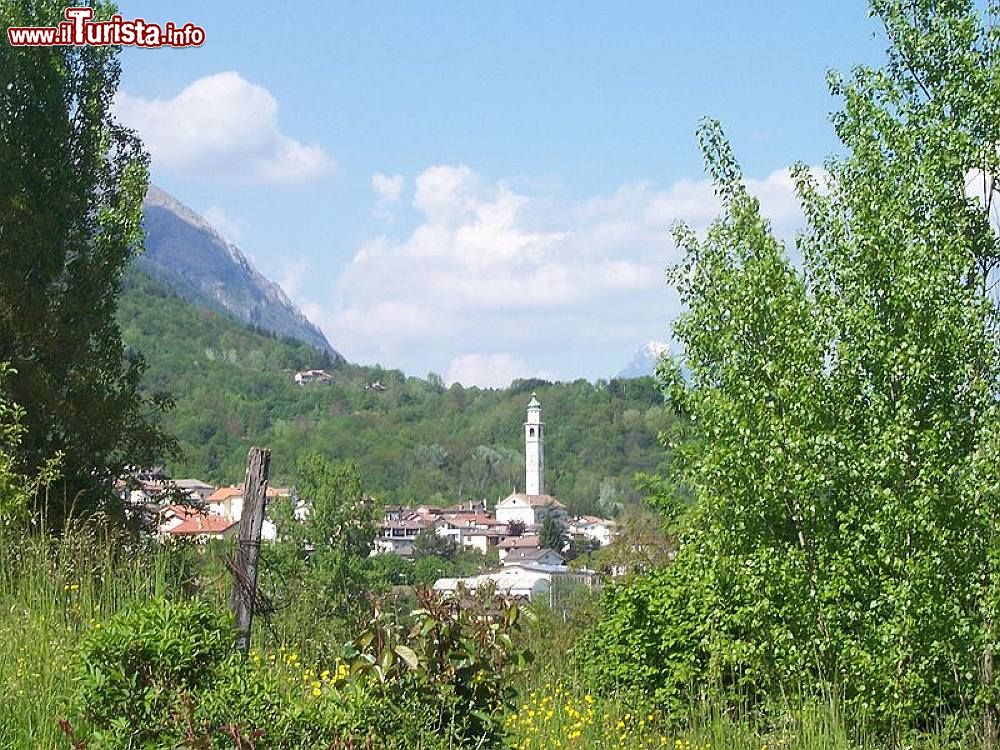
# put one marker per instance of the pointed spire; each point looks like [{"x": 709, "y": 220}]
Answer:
[{"x": 533, "y": 404}]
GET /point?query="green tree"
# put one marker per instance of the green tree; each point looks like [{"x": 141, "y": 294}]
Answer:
[
  {"x": 843, "y": 413},
  {"x": 72, "y": 182},
  {"x": 428, "y": 543},
  {"x": 428, "y": 569},
  {"x": 553, "y": 534},
  {"x": 323, "y": 552},
  {"x": 16, "y": 490}
]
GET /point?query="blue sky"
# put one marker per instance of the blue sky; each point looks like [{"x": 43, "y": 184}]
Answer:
[{"x": 483, "y": 189}]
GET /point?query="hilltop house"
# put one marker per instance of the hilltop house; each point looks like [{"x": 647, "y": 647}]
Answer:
[{"x": 313, "y": 376}]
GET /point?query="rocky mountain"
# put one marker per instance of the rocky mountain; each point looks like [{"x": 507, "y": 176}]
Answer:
[
  {"x": 188, "y": 256},
  {"x": 645, "y": 360}
]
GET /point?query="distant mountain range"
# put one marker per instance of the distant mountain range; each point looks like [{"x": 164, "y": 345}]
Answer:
[
  {"x": 188, "y": 256},
  {"x": 645, "y": 360}
]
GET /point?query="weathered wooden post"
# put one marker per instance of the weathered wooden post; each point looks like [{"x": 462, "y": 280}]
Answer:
[{"x": 244, "y": 598}]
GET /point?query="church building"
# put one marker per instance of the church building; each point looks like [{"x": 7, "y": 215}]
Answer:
[{"x": 533, "y": 505}]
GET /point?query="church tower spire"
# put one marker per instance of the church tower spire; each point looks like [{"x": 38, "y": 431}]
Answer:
[{"x": 534, "y": 449}]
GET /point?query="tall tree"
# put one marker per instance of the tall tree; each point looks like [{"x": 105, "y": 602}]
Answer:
[
  {"x": 844, "y": 430},
  {"x": 553, "y": 534},
  {"x": 323, "y": 550},
  {"x": 72, "y": 181}
]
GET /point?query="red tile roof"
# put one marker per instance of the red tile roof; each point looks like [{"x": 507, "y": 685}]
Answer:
[
  {"x": 210, "y": 524},
  {"x": 224, "y": 493},
  {"x": 520, "y": 542},
  {"x": 236, "y": 490},
  {"x": 535, "y": 501}
]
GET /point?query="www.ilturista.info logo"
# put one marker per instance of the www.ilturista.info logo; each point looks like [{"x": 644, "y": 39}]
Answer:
[{"x": 79, "y": 29}]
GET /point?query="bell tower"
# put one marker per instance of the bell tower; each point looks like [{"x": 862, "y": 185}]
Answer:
[{"x": 534, "y": 449}]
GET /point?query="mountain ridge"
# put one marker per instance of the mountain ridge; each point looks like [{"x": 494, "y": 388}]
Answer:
[{"x": 186, "y": 254}]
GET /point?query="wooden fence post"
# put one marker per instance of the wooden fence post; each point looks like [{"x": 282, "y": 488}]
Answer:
[{"x": 244, "y": 597}]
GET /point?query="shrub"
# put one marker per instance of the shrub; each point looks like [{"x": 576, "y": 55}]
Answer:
[
  {"x": 164, "y": 674},
  {"x": 141, "y": 668},
  {"x": 652, "y": 637}
]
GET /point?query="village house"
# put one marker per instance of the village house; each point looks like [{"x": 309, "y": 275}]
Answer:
[
  {"x": 227, "y": 502},
  {"x": 313, "y": 376},
  {"x": 470, "y": 530},
  {"x": 536, "y": 557},
  {"x": 397, "y": 535},
  {"x": 203, "y": 527},
  {"x": 510, "y": 543},
  {"x": 194, "y": 488},
  {"x": 600, "y": 530}
]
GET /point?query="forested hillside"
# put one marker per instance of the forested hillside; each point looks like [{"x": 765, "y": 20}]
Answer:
[{"x": 416, "y": 441}]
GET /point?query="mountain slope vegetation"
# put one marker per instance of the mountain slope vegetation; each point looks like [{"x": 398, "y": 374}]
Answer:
[{"x": 415, "y": 441}]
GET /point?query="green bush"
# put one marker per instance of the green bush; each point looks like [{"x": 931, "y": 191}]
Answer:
[
  {"x": 164, "y": 674},
  {"x": 140, "y": 669},
  {"x": 652, "y": 637}
]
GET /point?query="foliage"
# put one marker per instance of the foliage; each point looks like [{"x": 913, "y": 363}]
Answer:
[
  {"x": 16, "y": 490},
  {"x": 71, "y": 187},
  {"x": 843, "y": 414},
  {"x": 387, "y": 570},
  {"x": 458, "y": 657},
  {"x": 412, "y": 443},
  {"x": 651, "y": 639},
  {"x": 165, "y": 674},
  {"x": 430, "y": 568},
  {"x": 643, "y": 541},
  {"x": 428, "y": 543},
  {"x": 552, "y": 534},
  {"x": 322, "y": 555},
  {"x": 52, "y": 591},
  {"x": 139, "y": 668}
]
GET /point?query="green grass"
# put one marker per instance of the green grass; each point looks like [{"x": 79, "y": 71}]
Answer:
[
  {"x": 51, "y": 591},
  {"x": 54, "y": 590}
]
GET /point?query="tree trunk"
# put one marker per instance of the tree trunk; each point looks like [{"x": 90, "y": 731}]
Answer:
[{"x": 244, "y": 597}]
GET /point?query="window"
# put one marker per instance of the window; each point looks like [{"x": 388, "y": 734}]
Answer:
[{"x": 531, "y": 431}]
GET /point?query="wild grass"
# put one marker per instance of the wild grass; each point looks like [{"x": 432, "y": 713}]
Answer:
[{"x": 52, "y": 590}]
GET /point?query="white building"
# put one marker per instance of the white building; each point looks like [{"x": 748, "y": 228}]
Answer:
[
  {"x": 398, "y": 535},
  {"x": 532, "y": 506},
  {"x": 534, "y": 449},
  {"x": 600, "y": 530},
  {"x": 195, "y": 488},
  {"x": 531, "y": 510},
  {"x": 532, "y": 580},
  {"x": 227, "y": 503},
  {"x": 478, "y": 531},
  {"x": 533, "y": 557},
  {"x": 313, "y": 376},
  {"x": 519, "y": 583}
]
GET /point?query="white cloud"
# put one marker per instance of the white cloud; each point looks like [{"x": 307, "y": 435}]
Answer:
[
  {"x": 489, "y": 370},
  {"x": 570, "y": 287},
  {"x": 222, "y": 126},
  {"x": 388, "y": 190}
]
